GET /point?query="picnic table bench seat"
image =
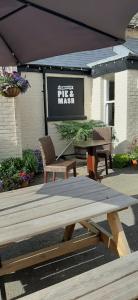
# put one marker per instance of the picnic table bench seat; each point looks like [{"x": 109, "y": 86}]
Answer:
[{"x": 116, "y": 280}]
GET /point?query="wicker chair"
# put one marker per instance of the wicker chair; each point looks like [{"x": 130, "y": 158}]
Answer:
[
  {"x": 104, "y": 133},
  {"x": 50, "y": 164}
]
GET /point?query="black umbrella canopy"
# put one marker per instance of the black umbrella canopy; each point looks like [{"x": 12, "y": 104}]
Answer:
[{"x": 37, "y": 29}]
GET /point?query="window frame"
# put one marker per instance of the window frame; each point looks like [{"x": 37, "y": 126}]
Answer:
[{"x": 107, "y": 102}]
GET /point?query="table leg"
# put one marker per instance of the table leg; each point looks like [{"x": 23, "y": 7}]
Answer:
[
  {"x": 91, "y": 163},
  {"x": 118, "y": 234},
  {"x": 68, "y": 232},
  {"x": 2, "y": 286}
]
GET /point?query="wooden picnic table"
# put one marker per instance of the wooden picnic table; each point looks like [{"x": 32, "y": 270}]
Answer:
[
  {"x": 91, "y": 146},
  {"x": 28, "y": 212}
]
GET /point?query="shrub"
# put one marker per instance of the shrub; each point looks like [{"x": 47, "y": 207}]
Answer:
[
  {"x": 10, "y": 166},
  {"x": 30, "y": 162},
  {"x": 10, "y": 182},
  {"x": 134, "y": 153},
  {"x": 77, "y": 130},
  {"x": 9, "y": 169},
  {"x": 121, "y": 160},
  {"x": 13, "y": 171},
  {"x": 38, "y": 156}
]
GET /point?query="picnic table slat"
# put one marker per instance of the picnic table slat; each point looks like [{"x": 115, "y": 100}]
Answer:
[
  {"x": 41, "y": 211},
  {"x": 125, "y": 289},
  {"x": 44, "y": 208},
  {"x": 47, "y": 200},
  {"x": 45, "y": 187},
  {"x": 27, "y": 229},
  {"x": 73, "y": 190},
  {"x": 91, "y": 283}
]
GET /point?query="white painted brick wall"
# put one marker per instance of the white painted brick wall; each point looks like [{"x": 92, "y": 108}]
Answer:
[
  {"x": 32, "y": 112},
  {"x": 88, "y": 97},
  {"x": 126, "y": 108},
  {"x": 132, "y": 115},
  {"x": 121, "y": 110},
  {"x": 97, "y": 99},
  {"x": 10, "y": 131}
]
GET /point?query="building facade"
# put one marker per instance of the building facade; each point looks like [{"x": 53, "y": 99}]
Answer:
[{"x": 102, "y": 83}]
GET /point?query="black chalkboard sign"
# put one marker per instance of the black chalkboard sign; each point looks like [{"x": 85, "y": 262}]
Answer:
[{"x": 65, "y": 98}]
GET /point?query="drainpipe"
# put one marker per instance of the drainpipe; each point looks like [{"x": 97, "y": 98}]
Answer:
[{"x": 44, "y": 98}]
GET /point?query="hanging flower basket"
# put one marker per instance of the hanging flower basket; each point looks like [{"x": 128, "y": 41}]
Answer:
[
  {"x": 12, "y": 84},
  {"x": 11, "y": 92}
]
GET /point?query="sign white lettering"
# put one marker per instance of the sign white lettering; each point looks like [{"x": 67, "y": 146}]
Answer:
[{"x": 65, "y": 94}]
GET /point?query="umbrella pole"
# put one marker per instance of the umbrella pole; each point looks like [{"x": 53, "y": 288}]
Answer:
[{"x": 65, "y": 149}]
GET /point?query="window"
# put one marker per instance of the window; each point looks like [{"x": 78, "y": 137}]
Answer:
[{"x": 110, "y": 102}]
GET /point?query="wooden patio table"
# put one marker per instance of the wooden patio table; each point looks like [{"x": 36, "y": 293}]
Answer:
[
  {"x": 39, "y": 209},
  {"x": 91, "y": 147}
]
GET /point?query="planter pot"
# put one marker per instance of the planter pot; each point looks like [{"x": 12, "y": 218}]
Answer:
[
  {"x": 25, "y": 183},
  {"x": 11, "y": 92},
  {"x": 32, "y": 174},
  {"x": 134, "y": 162}
]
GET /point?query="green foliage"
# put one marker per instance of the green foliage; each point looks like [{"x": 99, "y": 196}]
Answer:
[
  {"x": 134, "y": 153},
  {"x": 121, "y": 160},
  {"x": 11, "y": 182},
  {"x": 77, "y": 130},
  {"x": 9, "y": 169},
  {"x": 30, "y": 162},
  {"x": 10, "y": 166}
]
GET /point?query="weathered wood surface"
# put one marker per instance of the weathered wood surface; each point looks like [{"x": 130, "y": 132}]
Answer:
[
  {"x": 43, "y": 208},
  {"x": 118, "y": 234},
  {"x": 45, "y": 254},
  {"x": 92, "y": 143},
  {"x": 116, "y": 280}
]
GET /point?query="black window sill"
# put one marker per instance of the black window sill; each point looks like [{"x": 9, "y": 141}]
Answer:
[{"x": 65, "y": 118}]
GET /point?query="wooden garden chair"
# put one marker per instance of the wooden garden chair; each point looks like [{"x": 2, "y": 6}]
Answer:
[
  {"x": 104, "y": 133},
  {"x": 50, "y": 164}
]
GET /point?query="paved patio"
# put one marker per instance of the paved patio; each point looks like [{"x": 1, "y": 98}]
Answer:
[{"x": 33, "y": 279}]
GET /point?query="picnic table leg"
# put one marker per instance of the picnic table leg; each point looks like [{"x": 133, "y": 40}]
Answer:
[
  {"x": 2, "y": 285},
  {"x": 68, "y": 232},
  {"x": 118, "y": 234}
]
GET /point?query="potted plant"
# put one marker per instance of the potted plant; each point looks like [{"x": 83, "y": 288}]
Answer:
[
  {"x": 24, "y": 178},
  {"x": 1, "y": 185},
  {"x": 121, "y": 160},
  {"x": 11, "y": 84},
  {"x": 76, "y": 131},
  {"x": 9, "y": 177},
  {"x": 30, "y": 162},
  {"x": 134, "y": 156}
]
